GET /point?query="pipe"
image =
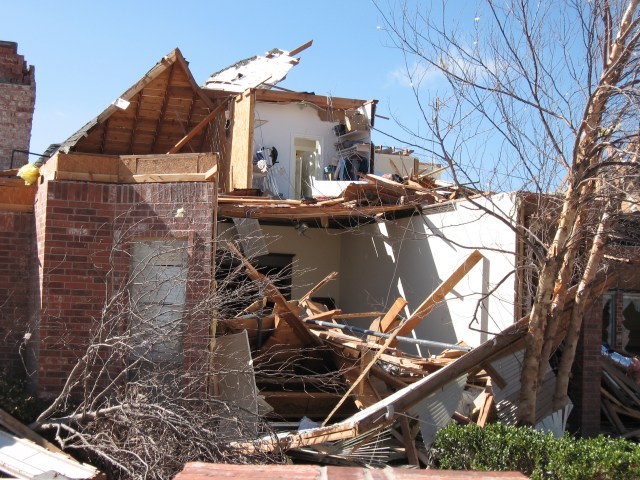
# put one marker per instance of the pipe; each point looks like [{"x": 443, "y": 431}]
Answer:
[
  {"x": 13, "y": 152},
  {"x": 414, "y": 341}
]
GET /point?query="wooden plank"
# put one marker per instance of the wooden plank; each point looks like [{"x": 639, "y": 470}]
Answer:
[
  {"x": 211, "y": 173},
  {"x": 496, "y": 378},
  {"x": 613, "y": 417},
  {"x": 486, "y": 409},
  {"x": 164, "y": 178},
  {"x": 198, "y": 128},
  {"x": 336, "y": 103},
  {"x": 381, "y": 414},
  {"x": 400, "y": 301},
  {"x": 310, "y": 211},
  {"x": 295, "y": 405},
  {"x": 624, "y": 383},
  {"x": 289, "y": 315},
  {"x": 301, "y": 48},
  {"x": 439, "y": 293},
  {"x": 88, "y": 163},
  {"x": 85, "y": 177},
  {"x": 241, "y": 168},
  {"x": 388, "y": 322},
  {"x": 409, "y": 442},
  {"x": 320, "y": 285},
  {"x": 324, "y": 315},
  {"x": 363, "y": 391}
]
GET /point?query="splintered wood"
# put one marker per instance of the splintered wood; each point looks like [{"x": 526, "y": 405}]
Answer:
[
  {"x": 373, "y": 196},
  {"x": 363, "y": 383},
  {"x": 620, "y": 401}
]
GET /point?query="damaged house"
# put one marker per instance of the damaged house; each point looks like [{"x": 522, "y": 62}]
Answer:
[{"x": 149, "y": 200}]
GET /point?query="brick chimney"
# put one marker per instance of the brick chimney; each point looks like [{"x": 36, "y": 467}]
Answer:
[{"x": 17, "y": 102}]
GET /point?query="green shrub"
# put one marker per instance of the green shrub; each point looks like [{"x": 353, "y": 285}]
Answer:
[
  {"x": 15, "y": 400},
  {"x": 501, "y": 447}
]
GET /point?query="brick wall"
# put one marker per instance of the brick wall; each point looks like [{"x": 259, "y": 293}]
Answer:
[
  {"x": 85, "y": 231},
  {"x": 17, "y": 102},
  {"x": 587, "y": 370},
  {"x": 585, "y": 387},
  {"x": 16, "y": 234}
]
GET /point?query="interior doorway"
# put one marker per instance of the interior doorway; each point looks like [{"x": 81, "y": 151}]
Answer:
[{"x": 307, "y": 153}]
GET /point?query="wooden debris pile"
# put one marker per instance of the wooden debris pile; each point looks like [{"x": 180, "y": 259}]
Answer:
[
  {"x": 620, "y": 401},
  {"x": 371, "y": 196},
  {"x": 359, "y": 399}
]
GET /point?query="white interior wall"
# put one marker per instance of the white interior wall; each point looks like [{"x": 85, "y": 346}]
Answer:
[
  {"x": 316, "y": 255},
  {"x": 284, "y": 122},
  {"x": 411, "y": 257}
]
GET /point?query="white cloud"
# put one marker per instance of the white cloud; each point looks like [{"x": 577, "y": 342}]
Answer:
[{"x": 414, "y": 75}]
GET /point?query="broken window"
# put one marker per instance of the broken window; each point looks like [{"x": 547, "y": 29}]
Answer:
[{"x": 631, "y": 322}]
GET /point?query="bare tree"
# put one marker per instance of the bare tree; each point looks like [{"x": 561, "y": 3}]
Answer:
[{"x": 540, "y": 96}]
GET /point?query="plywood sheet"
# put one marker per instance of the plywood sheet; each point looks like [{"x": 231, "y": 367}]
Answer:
[{"x": 242, "y": 141}]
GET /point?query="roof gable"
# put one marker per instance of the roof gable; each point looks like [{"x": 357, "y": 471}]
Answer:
[{"x": 151, "y": 116}]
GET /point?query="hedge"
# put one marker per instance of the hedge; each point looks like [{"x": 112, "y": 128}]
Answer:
[{"x": 500, "y": 447}]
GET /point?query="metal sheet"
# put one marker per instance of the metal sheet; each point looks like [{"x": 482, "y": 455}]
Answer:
[{"x": 435, "y": 411}]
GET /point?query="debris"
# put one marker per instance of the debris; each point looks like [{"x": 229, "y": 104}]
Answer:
[
  {"x": 29, "y": 173},
  {"x": 22, "y": 458},
  {"x": 396, "y": 392}
]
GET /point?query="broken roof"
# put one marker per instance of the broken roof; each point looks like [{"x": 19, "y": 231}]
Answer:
[{"x": 256, "y": 71}]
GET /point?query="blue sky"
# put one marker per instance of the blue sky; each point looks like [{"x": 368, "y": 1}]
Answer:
[{"x": 87, "y": 53}]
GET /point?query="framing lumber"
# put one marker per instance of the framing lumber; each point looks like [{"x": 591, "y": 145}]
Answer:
[
  {"x": 301, "y": 48},
  {"x": 365, "y": 395},
  {"x": 318, "y": 286},
  {"x": 388, "y": 322},
  {"x": 324, "y": 315},
  {"x": 288, "y": 314},
  {"x": 440, "y": 293},
  {"x": 383, "y": 412},
  {"x": 399, "y": 303},
  {"x": 198, "y": 128},
  {"x": 335, "y": 103},
  {"x": 409, "y": 442},
  {"x": 485, "y": 410},
  {"x": 241, "y": 168}
]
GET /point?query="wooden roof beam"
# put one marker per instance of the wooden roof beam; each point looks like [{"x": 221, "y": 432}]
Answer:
[
  {"x": 322, "y": 101},
  {"x": 197, "y": 129},
  {"x": 163, "y": 109},
  {"x": 301, "y": 48}
]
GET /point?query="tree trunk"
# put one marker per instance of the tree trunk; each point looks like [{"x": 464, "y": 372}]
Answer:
[
  {"x": 584, "y": 287},
  {"x": 534, "y": 339}
]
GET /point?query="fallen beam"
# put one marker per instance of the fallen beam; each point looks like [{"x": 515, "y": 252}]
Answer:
[
  {"x": 411, "y": 340},
  {"x": 383, "y": 412},
  {"x": 439, "y": 293}
]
